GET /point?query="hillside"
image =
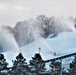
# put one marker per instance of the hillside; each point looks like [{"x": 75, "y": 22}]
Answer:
[{"x": 63, "y": 43}]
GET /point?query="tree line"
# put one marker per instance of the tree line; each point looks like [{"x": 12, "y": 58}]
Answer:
[{"x": 36, "y": 66}]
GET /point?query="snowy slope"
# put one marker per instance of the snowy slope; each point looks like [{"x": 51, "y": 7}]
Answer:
[{"x": 63, "y": 43}]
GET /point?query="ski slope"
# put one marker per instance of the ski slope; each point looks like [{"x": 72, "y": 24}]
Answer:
[{"x": 62, "y": 44}]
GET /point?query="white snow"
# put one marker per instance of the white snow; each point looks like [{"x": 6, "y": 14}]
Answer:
[{"x": 63, "y": 43}]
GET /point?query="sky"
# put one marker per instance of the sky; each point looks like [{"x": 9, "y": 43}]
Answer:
[{"x": 12, "y": 11}]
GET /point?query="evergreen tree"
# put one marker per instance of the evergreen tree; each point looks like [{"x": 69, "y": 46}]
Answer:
[
  {"x": 72, "y": 70},
  {"x": 37, "y": 63},
  {"x": 3, "y": 65},
  {"x": 55, "y": 67},
  {"x": 20, "y": 66}
]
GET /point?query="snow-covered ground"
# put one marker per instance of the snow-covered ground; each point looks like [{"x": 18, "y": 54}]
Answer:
[{"x": 62, "y": 44}]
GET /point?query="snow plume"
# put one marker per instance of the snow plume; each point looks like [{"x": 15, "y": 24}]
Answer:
[
  {"x": 66, "y": 24},
  {"x": 30, "y": 30},
  {"x": 45, "y": 44},
  {"x": 7, "y": 41},
  {"x": 35, "y": 31},
  {"x": 26, "y": 32},
  {"x": 61, "y": 24}
]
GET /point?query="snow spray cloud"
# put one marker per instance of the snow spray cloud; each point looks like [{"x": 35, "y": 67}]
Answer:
[
  {"x": 42, "y": 41},
  {"x": 28, "y": 31},
  {"x": 7, "y": 41},
  {"x": 37, "y": 33},
  {"x": 44, "y": 26},
  {"x": 65, "y": 24}
]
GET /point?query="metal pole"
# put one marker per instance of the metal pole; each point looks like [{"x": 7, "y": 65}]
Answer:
[
  {"x": 20, "y": 50},
  {"x": 39, "y": 50},
  {"x": 60, "y": 66}
]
